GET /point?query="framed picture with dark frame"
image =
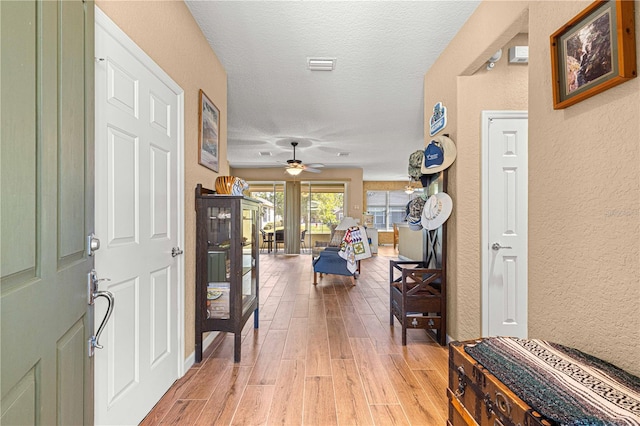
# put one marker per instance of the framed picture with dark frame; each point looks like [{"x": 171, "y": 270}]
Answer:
[
  {"x": 208, "y": 134},
  {"x": 593, "y": 52}
]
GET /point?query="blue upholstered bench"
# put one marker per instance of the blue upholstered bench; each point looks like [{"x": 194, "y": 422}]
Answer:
[{"x": 329, "y": 262}]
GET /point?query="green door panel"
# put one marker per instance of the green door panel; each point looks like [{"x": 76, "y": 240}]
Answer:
[{"x": 46, "y": 211}]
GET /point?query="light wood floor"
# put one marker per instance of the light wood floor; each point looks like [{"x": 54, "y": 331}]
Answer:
[{"x": 323, "y": 355}]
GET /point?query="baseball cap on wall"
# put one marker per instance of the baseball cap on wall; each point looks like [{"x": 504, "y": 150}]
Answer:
[
  {"x": 414, "y": 215},
  {"x": 448, "y": 156},
  {"x": 433, "y": 155},
  {"x": 415, "y": 163}
]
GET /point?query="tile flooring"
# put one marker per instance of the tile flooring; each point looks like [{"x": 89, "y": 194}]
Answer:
[{"x": 323, "y": 355}]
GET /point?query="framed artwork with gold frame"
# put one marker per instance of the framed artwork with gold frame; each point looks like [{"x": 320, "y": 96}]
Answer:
[{"x": 593, "y": 52}]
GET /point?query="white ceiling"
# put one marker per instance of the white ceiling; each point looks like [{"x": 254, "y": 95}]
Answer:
[{"x": 370, "y": 106}]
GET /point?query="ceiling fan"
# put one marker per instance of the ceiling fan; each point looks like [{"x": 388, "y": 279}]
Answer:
[{"x": 295, "y": 167}]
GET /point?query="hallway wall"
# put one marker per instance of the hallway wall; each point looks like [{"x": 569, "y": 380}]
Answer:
[
  {"x": 167, "y": 32},
  {"x": 584, "y": 198},
  {"x": 466, "y": 87},
  {"x": 584, "y": 191}
]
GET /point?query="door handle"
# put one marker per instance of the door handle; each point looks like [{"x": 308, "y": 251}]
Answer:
[
  {"x": 110, "y": 300},
  {"x": 497, "y": 246},
  {"x": 94, "y": 293},
  {"x": 176, "y": 251}
]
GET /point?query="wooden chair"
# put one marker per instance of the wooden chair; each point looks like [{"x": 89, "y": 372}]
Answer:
[{"x": 418, "y": 298}]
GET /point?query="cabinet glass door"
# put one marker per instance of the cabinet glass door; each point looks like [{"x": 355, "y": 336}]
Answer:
[
  {"x": 249, "y": 253},
  {"x": 218, "y": 262}
]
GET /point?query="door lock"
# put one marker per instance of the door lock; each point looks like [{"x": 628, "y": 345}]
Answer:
[{"x": 93, "y": 244}]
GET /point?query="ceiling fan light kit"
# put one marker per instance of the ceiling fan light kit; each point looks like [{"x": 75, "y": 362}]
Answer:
[
  {"x": 294, "y": 171},
  {"x": 409, "y": 189},
  {"x": 295, "y": 167}
]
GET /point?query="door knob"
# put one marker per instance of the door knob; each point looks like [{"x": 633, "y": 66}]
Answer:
[
  {"x": 176, "y": 251},
  {"x": 497, "y": 246}
]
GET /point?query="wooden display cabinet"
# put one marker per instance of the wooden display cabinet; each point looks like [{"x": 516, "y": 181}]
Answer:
[{"x": 227, "y": 250}]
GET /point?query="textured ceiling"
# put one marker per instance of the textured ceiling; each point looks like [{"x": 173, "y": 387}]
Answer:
[{"x": 370, "y": 106}]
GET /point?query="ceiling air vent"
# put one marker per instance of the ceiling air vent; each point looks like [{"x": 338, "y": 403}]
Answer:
[
  {"x": 265, "y": 154},
  {"x": 343, "y": 154},
  {"x": 321, "y": 64}
]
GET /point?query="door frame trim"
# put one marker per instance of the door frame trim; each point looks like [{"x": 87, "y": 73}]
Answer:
[
  {"x": 487, "y": 116},
  {"x": 109, "y": 26}
]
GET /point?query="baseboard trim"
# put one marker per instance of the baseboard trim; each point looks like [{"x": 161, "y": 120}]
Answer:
[{"x": 214, "y": 338}]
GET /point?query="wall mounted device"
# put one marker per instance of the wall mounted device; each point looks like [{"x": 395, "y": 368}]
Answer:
[
  {"x": 519, "y": 54},
  {"x": 493, "y": 59}
]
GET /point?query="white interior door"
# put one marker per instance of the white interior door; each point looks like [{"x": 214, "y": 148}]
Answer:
[
  {"x": 139, "y": 220},
  {"x": 504, "y": 212}
]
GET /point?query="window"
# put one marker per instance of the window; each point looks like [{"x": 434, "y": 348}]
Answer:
[
  {"x": 272, "y": 210},
  {"x": 389, "y": 207},
  {"x": 321, "y": 208}
]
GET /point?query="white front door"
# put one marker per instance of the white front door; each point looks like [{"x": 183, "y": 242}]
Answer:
[
  {"x": 504, "y": 223},
  {"x": 139, "y": 220}
]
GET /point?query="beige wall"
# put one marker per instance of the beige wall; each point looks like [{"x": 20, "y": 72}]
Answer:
[
  {"x": 466, "y": 87},
  {"x": 584, "y": 208},
  {"x": 167, "y": 32},
  {"x": 584, "y": 198},
  {"x": 502, "y": 88}
]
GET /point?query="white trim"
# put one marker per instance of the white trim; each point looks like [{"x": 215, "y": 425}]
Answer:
[
  {"x": 121, "y": 37},
  {"x": 487, "y": 116}
]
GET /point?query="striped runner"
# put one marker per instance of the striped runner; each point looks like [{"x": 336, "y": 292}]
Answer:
[{"x": 561, "y": 383}]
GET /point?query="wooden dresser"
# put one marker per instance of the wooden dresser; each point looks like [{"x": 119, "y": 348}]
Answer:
[
  {"x": 476, "y": 397},
  {"x": 504, "y": 381}
]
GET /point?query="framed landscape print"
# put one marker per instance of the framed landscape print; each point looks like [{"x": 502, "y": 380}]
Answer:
[
  {"x": 209, "y": 133},
  {"x": 593, "y": 52}
]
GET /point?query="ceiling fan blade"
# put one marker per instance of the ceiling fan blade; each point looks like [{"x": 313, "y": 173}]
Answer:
[
  {"x": 311, "y": 169},
  {"x": 315, "y": 165}
]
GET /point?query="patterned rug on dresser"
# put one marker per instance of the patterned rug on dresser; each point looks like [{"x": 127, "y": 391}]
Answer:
[{"x": 561, "y": 383}]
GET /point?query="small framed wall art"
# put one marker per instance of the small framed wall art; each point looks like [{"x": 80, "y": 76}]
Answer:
[
  {"x": 593, "y": 52},
  {"x": 208, "y": 133}
]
